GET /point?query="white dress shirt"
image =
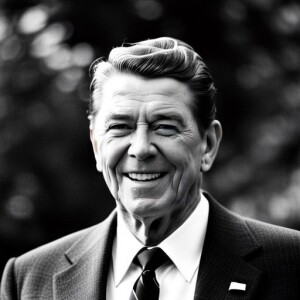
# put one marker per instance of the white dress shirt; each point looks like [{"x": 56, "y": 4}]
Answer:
[{"x": 184, "y": 246}]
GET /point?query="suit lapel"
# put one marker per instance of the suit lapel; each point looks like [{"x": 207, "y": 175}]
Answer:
[
  {"x": 228, "y": 245},
  {"x": 86, "y": 265}
]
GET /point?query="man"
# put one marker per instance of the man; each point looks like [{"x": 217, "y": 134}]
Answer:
[{"x": 154, "y": 133}]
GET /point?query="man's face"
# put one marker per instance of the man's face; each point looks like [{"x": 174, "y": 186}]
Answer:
[{"x": 148, "y": 146}]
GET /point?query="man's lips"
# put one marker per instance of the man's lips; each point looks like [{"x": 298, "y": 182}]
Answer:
[{"x": 144, "y": 176}]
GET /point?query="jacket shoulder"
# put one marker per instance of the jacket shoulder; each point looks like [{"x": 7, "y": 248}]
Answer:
[
  {"x": 279, "y": 259},
  {"x": 274, "y": 236},
  {"x": 31, "y": 275},
  {"x": 33, "y": 271},
  {"x": 52, "y": 249},
  {"x": 47, "y": 259}
]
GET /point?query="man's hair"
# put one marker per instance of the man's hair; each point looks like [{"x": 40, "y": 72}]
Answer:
[{"x": 158, "y": 58}]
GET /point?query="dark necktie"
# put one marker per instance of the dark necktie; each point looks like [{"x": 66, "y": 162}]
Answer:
[{"x": 146, "y": 287}]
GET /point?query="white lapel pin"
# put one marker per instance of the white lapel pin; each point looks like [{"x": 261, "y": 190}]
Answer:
[{"x": 237, "y": 286}]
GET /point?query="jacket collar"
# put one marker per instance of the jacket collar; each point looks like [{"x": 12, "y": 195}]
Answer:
[
  {"x": 86, "y": 264},
  {"x": 227, "y": 247}
]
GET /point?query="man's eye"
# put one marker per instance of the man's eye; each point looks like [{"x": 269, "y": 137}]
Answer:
[
  {"x": 119, "y": 127},
  {"x": 165, "y": 129}
]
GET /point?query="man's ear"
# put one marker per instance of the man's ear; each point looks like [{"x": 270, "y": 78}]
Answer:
[
  {"x": 96, "y": 150},
  {"x": 212, "y": 137}
]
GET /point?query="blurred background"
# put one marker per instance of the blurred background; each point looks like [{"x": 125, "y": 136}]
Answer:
[{"x": 49, "y": 185}]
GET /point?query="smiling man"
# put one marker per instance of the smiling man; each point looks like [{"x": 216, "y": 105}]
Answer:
[{"x": 154, "y": 134}]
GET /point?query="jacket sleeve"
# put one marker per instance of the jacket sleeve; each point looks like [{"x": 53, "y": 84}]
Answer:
[{"x": 8, "y": 289}]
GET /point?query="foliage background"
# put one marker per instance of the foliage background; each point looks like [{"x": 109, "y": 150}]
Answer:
[{"x": 48, "y": 182}]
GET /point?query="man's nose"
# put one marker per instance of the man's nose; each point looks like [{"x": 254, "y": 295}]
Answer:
[{"x": 141, "y": 147}]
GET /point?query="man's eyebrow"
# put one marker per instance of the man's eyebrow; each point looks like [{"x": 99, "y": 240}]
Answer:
[
  {"x": 117, "y": 117},
  {"x": 156, "y": 117},
  {"x": 169, "y": 116}
]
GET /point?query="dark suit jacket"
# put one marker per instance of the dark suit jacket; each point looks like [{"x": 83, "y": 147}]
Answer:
[{"x": 264, "y": 257}]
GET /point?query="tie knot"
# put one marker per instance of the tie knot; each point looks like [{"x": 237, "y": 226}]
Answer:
[{"x": 151, "y": 259}]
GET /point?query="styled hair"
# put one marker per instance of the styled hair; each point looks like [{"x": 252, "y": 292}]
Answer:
[{"x": 158, "y": 58}]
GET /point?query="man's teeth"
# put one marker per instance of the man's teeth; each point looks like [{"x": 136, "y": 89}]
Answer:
[{"x": 143, "y": 176}]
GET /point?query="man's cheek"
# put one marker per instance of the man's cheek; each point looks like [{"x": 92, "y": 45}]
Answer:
[
  {"x": 177, "y": 179},
  {"x": 185, "y": 178},
  {"x": 120, "y": 188},
  {"x": 109, "y": 173},
  {"x": 110, "y": 179},
  {"x": 113, "y": 151}
]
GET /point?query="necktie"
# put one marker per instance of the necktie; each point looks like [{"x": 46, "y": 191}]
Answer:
[{"x": 146, "y": 287}]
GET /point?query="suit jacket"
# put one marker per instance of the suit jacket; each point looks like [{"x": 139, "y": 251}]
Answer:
[{"x": 264, "y": 257}]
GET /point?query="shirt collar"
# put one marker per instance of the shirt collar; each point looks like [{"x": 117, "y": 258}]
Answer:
[
  {"x": 182, "y": 247},
  {"x": 125, "y": 247}
]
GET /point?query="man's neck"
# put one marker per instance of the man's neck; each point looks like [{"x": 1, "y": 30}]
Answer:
[{"x": 152, "y": 231}]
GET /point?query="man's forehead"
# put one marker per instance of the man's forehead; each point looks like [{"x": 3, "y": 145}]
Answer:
[
  {"x": 122, "y": 94},
  {"x": 125, "y": 85}
]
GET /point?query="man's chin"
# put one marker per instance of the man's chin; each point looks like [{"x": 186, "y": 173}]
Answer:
[{"x": 143, "y": 207}]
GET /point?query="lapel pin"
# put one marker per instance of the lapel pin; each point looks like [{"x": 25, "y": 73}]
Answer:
[{"x": 237, "y": 286}]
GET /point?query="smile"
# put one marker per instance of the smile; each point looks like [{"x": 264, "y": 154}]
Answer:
[{"x": 144, "y": 176}]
